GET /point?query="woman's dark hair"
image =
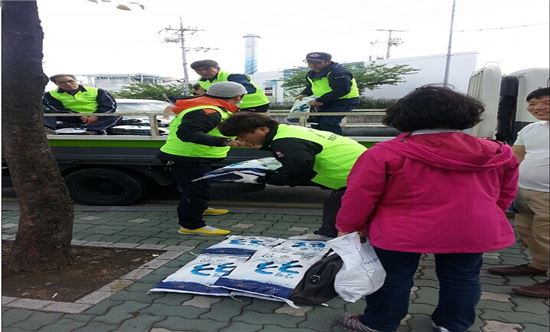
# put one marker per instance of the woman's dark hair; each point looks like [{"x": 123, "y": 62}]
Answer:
[
  {"x": 434, "y": 107},
  {"x": 245, "y": 122}
]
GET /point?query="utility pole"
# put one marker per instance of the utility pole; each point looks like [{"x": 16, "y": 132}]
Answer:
[
  {"x": 448, "y": 60},
  {"x": 391, "y": 41},
  {"x": 179, "y": 37}
]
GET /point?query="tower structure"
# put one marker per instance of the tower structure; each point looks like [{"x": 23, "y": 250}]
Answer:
[{"x": 250, "y": 60}]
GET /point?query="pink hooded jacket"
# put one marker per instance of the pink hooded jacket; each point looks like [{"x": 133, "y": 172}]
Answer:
[{"x": 432, "y": 193}]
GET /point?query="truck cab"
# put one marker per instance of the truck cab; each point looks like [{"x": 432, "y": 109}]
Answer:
[{"x": 504, "y": 97}]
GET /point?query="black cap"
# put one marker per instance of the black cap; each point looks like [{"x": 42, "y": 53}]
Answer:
[{"x": 318, "y": 57}]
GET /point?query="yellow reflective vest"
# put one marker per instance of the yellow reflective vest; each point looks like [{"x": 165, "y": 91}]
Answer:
[
  {"x": 81, "y": 102},
  {"x": 320, "y": 86},
  {"x": 335, "y": 161},
  {"x": 175, "y": 146},
  {"x": 257, "y": 98}
]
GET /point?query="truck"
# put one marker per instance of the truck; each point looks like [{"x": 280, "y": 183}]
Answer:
[
  {"x": 504, "y": 97},
  {"x": 122, "y": 169}
]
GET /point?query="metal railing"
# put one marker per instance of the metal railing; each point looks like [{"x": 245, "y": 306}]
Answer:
[
  {"x": 302, "y": 117},
  {"x": 302, "y": 121},
  {"x": 151, "y": 116}
]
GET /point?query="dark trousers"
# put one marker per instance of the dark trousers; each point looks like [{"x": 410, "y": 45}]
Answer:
[
  {"x": 459, "y": 290},
  {"x": 331, "y": 205},
  {"x": 102, "y": 123},
  {"x": 256, "y": 109},
  {"x": 194, "y": 196},
  {"x": 332, "y": 123}
]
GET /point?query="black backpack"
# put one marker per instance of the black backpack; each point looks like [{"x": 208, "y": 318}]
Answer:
[{"x": 317, "y": 286}]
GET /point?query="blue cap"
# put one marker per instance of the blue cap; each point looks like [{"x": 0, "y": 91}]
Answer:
[{"x": 318, "y": 57}]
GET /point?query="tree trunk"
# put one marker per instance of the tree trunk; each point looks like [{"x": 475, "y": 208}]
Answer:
[{"x": 46, "y": 212}]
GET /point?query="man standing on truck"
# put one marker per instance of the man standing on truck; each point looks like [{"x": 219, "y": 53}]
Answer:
[
  {"x": 309, "y": 157},
  {"x": 532, "y": 220},
  {"x": 193, "y": 144},
  {"x": 255, "y": 99},
  {"x": 335, "y": 88},
  {"x": 71, "y": 97}
]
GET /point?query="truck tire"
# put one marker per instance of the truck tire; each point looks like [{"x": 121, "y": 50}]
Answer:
[{"x": 104, "y": 186}]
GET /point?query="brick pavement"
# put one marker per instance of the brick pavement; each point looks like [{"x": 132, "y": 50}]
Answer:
[{"x": 128, "y": 307}]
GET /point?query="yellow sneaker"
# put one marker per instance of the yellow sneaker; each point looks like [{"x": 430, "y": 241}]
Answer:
[
  {"x": 206, "y": 230},
  {"x": 214, "y": 212}
]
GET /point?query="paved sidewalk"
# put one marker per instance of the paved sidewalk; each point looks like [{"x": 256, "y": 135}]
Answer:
[{"x": 132, "y": 309}]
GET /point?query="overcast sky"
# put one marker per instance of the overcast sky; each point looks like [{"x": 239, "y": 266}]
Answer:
[{"x": 82, "y": 37}]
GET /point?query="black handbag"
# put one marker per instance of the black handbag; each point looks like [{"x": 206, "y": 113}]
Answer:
[{"x": 317, "y": 285}]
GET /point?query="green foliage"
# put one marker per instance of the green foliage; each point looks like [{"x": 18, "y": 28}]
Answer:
[
  {"x": 295, "y": 79},
  {"x": 371, "y": 76},
  {"x": 149, "y": 91},
  {"x": 380, "y": 103},
  {"x": 374, "y": 75}
]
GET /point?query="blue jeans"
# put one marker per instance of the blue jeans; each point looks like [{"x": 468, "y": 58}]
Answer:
[
  {"x": 332, "y": 123},
  {"x": 459, "y": 290}
]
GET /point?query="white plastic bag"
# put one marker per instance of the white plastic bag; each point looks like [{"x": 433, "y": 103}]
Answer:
[
  {"x": 299, "y": 106},
  {"x": 362, "y": 273}
]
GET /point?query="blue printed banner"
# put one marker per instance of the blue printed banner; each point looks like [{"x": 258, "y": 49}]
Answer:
[{"x": 254, "y": 266}]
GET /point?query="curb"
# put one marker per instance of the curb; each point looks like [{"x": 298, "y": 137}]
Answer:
[{"x": 87, "y": 301}]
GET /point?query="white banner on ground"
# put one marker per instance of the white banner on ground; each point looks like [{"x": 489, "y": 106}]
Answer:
[
  {"x": 255, "y": 266},
  {"x": 271, "y": 273},
  {"x": 199, "y": 275},
  {"x": 242, "y": 245}
]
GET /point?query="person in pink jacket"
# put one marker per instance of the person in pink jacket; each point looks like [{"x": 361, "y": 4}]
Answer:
[{"x": 432, "y": 189}]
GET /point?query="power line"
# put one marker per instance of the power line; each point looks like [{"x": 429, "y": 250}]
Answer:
[
  {"x": 503, "y": 28},
  {"x": 441, "y": 13}
]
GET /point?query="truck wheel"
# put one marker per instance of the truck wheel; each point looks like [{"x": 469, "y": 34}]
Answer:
[{"x": 102, "y": 186}]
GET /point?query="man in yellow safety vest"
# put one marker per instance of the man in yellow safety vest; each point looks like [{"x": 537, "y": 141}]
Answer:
[{"x": 333, "y": 86}]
